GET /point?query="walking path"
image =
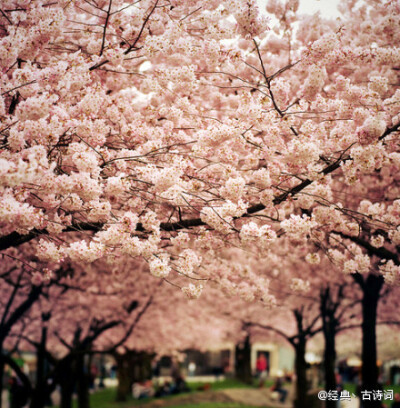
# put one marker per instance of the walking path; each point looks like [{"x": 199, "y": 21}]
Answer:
[
  {"x": 247, "y": 396},
  {"x": 254, "y": 397}
]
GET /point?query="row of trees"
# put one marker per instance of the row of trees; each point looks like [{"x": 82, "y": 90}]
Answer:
[
  {"x": 317, "y": 303},
  {"x": 72, "y": 317},
  {"x": 76, "y": 315},
  {"x": 186, "y": 134}
]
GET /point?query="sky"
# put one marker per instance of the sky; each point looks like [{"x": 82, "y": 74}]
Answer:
[{"x": 328, "y": 8}]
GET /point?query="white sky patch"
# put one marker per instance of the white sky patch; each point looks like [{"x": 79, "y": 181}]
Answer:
[
  {"x": 327, "y": 8},
  {"x": 145, "y": 66}
]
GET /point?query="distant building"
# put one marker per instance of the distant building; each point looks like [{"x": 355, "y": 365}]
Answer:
[
  {"x": 221, "y": 359},
  {"x": 280, "y": 358}
]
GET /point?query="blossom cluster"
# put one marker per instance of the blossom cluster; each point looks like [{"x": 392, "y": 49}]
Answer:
[
  {"x": 298, "y": 226},
  {"x": 163, "y": 145}
]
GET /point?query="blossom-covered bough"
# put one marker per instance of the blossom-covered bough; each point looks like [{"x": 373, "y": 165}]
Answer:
[
  {"x": 191, "y": 131},
  {"x": 170, "y": 130}
]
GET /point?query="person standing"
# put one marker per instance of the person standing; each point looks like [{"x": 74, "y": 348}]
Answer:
[
  {"x": 278, "y": 388},
  {"x": 192, "y": 368},
  {"x": 261, "y": 368},
  {"x": 261, "y": 365}
]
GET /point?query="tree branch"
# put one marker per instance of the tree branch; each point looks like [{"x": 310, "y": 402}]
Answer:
[
  {"x": 19, "y": 311},
  {"x": 131, "y": 47},
  {"x": 348, "y": 327},
  {"x": 15, "y": 239},
  {"x": 89, "y": 339},
  {"x": 290, "y": 339},
  {"x": 105, "y": 29},
  {"x": 131, "y": 327},
  {"x": 382, "y": 252}
]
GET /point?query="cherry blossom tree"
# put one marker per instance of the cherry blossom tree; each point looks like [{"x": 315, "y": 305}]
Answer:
[
  {"x": 23, "y": 283},
  {"x": 157, "y": 129},
  {"x": 99, "y": 171},
  {"x": 107, "y": 309},
  {"x": 74, "y": 304},
  {"x": 315, "y": 302}
]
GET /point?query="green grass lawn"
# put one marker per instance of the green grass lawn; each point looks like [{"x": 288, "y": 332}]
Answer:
[
  {"x": 214, "y": 405},
  {"x": 221, "y": 385},
  {"x": 106, "y": 398}
]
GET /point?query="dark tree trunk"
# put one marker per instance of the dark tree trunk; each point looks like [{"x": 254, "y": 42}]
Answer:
[
  {"x": 83, "y": 373},
  {"x": 66, "y": 395},
  {"x": 132, "y": 366},
  {"x": 2, "y": 366},
  {"x": 66, "y": 380},
  {"x": 329, "y": 327},
  {"x": 243, "y": 361},
  {"x": 371, "y": 293},
  {"x": 39, "y": 394},
  {"x": 301, "y": 373},
  {"x": 125, "y": 374},
  {"x": 329, "y": 362},
  {"x": 144, "y": 362}
]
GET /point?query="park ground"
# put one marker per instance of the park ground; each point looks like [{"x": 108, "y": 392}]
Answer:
[
  {"x": 222, "y": 394},
  {"x": 228, "y": 393}
]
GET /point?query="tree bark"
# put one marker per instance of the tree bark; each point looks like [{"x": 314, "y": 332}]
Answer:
[
  {"x": 39, "y": 393},
  {"x": 67, "y": 382},
  {"x": 329, "y": 362},
  {"x": 372, "y": 286},
  {"x": 66, "y": 395},
  {"x": 243, "y": 361},
  {"x": 132, "y": 366},
  {"x": 329, "y": 328},
  {"x": 2, "y": 367},
  {"x": 83, "y": 374},
  {"x": 301, "y": 373},
  {"x": 124, "y": 375}
]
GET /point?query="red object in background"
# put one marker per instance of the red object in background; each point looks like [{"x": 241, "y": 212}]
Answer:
[{"x": 262, "y": 363}]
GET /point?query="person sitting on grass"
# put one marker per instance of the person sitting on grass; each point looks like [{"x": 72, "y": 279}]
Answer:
[
  {"x": 163, "y": 390},
  {"x": 278, "y": 388},
  {"x": 179, "y": 386},
  {"x": 143, "y": 389}
]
